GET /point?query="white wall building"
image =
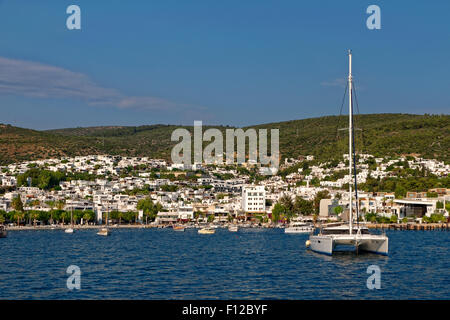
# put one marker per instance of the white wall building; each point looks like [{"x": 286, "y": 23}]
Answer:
[{"x": 253, "y": 198}]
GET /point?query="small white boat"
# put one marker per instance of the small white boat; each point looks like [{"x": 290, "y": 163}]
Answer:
[
  {"x": 178, "y": 228},
  {"x": 206, "y": 231},
  {"x": 103, "y": 232},
  {"x": 69, "y": 230},
  {"x": 299, "y": 227},
  {"x": 233, "y": 228}
]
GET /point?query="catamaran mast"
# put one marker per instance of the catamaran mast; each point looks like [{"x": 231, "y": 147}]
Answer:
[{"x": 350, "y": 137}]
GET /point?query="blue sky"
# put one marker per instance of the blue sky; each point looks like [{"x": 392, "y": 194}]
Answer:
[{"x": 224, "y": 62}]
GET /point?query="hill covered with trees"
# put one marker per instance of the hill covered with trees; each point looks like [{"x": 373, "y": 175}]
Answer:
[{"x": 377, "y": 134}]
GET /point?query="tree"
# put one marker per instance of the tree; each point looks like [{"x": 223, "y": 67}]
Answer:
[
  {"x": 277, "y": 211},
  {"x": 120, "y": 216},
  {"x": 324, "y": 194},
  {"x": 302, "y": 206},
  {"x": 287, "y": 204},
  {"x": 147, "y": 207},
  {"x": 19, "y": 215},
  {"x": 64, "y": 215},
  {"x": 88, "y": 215},
  {"x": 400, "y": 191},
  {"x": 60, "y": 204},
  {"x": 34, "y": 215},
  {"x": 338, "y": 210},
  {"x": 17, "y": 204},
  {"x": 393, "y": 219}
]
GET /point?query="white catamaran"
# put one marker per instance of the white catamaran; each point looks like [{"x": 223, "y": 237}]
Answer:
[{"x": 349, "y": 235}]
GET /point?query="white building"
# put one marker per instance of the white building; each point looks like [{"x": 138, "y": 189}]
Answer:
[{"x": 253, "y": 198}]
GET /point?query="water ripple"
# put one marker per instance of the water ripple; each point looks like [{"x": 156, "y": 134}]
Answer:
[{"x": 267, "y": 264}]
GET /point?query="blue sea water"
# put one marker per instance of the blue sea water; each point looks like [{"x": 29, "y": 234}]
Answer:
[{"x": 249, "y": 264}]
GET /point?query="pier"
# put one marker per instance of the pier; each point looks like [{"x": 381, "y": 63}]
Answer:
[{"x": 410, "y": 226}]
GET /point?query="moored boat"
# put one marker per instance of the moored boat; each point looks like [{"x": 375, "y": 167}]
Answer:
[
  {"x": 206, "y": 231},
  {"x": 357, "y": 236},
  {"x": 299, "y": 227},
  {"x": 233, "y": 228},
  {"x": 330, "y": 238},
  {"x": 103, "y": 232},
  {"x": 178, "y": 228}
]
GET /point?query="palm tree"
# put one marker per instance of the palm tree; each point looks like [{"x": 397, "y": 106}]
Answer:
[
  {"x": 63, "y": 216},
  {"x": 196, "y": 215},
  {"x": 87, "y": 217},
  {"x": 17, "y": 204},
  {"x": 34, "y": 215},
  {"x": 287, "y": 202},
  {"x": 19, "y": 215},
  {"x": 146, "y": 205},
  {"x": 51, "y": 216},
  {"x": 60, "y": 204}
]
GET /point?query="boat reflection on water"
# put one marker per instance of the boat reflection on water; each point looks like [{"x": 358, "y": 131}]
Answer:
[{"x": 3, "y": 232}]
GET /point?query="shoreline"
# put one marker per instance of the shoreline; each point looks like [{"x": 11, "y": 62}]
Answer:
[{"x": 381, "y": 226}]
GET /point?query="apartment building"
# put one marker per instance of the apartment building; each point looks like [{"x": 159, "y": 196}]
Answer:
[{"x": 253, "y": 198}]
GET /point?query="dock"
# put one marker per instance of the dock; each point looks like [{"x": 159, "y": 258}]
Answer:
[{"x": 410, "y": 226}]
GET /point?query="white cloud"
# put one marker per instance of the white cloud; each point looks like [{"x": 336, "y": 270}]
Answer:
[
  {"x": 340, "y": 82},
  {"x": 37, "y": 80}
]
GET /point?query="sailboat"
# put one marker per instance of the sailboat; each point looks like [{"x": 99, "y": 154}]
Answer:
[
  {"x": 70, "y": 230},
  {"x": 331, "y": 237},
  {"x": 105, "y": 231}
]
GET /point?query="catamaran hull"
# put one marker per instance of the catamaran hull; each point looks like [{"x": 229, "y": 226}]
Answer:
[
  {"x": 323, "y": 245},
  {"x": 379, "y": 246},
  {"x": 327, "y": 244}
]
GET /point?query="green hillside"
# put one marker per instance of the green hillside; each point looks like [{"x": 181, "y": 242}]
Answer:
[{"x": 379, "y": 134}]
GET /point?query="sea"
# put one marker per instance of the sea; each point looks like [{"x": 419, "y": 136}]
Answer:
[{"x": 249, "y": 264}]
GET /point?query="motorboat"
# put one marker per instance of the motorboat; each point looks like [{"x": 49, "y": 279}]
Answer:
[
  {"x": 103, "y": 232},
  {"x": 178, "y": 228},
  {"x": 68, "y": 230},
  {"x": 206, "y": 231},
  {"x": 299, "y": 227},
  {"x": 233, "y": 228}
]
